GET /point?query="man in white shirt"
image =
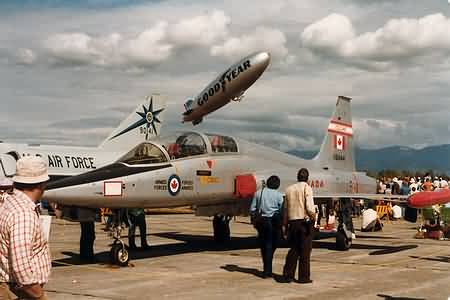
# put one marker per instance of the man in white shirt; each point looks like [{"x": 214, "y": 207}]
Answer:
[
  {"x": 370, "y": 221},
  {"x": 436, "y": 182},
  {"x": 299, "y": 217},
  {"x": 396, "y": 212}
]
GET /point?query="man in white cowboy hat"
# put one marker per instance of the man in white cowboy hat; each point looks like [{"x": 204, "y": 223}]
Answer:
[
  {"x": 24, "y": 255},
  {"x": 395, "y": 186}
]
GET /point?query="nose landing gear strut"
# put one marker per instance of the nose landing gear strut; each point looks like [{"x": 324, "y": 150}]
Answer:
[{"x": 119, "y": 250}]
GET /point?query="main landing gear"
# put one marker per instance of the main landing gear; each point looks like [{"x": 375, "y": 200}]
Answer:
[
  {"x": 119, "y": 251},
  {"x": 221, "y": 226},
  {"x": 343, "y": 242},
  {"x": 345, "y": 227}
]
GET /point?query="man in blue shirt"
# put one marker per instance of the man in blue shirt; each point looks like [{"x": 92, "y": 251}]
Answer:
[
  {"x": 404, "y": 189},
  {"x": 268, "y": 202}
]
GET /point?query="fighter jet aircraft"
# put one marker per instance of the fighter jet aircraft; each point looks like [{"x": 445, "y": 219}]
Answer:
[
  {"x": 141, "y": 125},
  {"x": 217, "y": 174}
]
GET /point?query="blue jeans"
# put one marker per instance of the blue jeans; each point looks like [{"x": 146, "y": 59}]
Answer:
[{"x": 269, "y": 231}]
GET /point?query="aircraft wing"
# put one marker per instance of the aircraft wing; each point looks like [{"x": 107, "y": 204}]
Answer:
[{"x": 392, "y": 198}]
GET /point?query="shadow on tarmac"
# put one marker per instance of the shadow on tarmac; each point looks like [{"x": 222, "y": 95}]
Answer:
[
  {"x": 445, "y": 259},
  {"x": 236, "y": 268},
  {"x": 252, "y": 271},
  {"x": 376, "y": 237},
  {"x": 387, "y": 297},
  {"x": 393, "y": 250},
  {"x": 202, "y": 243}
]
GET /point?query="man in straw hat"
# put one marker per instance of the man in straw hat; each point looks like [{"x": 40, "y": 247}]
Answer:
[{"x": 24, "y": 255}]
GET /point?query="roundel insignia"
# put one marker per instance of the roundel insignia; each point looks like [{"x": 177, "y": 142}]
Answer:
[
  {"x": 174, "y": 183},
  {"x": 149, "y": 117}
]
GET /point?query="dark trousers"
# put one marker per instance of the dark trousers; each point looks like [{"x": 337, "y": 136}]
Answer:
[
  {"x": 87, "y": 240},
  {"x": 269, "y": 231},
  {"x": 300, "y": 242},
  {"x": 377, "y": 227},
  {"x": 138, "y": 221}
]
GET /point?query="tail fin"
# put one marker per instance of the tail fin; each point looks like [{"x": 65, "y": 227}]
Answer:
[
  {"x": 336, "y": 151},
  {"x": 142, "y": 124}
]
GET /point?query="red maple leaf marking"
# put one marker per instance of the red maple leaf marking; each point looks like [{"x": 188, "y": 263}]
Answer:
[
  {"x": 174, "y": 184},
  {"x": 210, "y": 163},
  {"x": 339, "y": 142}
]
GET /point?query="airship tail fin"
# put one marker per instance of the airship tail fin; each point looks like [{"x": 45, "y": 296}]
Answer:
[
  {"x": 144, "y": 123},
  {"x": 336, "y": 151}
]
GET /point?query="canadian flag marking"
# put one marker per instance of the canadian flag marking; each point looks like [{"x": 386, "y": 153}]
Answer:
[{"x": 340, "y": 142}]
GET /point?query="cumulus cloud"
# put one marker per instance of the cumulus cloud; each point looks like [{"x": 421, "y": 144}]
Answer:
[
  {"x": 262, "y": 38},
  {"x": 157, "y": 43},
  {"x": 398, "y": 40},
  {"x": 201, "y": 30},
  {"x": 150, "y": 46},
  {"x": 147, "y": 48},
  {"x": 25, "y": 56},
  {"x": 74, "y": 47},
  {"x": 283, "y": 142}
]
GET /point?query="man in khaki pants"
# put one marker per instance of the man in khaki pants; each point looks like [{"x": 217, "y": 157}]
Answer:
[
  {"x": 299, "y": 217},
  {"x": 24, "y": 255}
]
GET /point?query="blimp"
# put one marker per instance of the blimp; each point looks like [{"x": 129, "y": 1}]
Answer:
[{"x": 228, "y": 86}]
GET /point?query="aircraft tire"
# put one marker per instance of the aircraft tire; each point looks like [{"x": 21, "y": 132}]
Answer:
[
  {"x": 343, "y": 243},
  {"x": 119, "y": 255}
]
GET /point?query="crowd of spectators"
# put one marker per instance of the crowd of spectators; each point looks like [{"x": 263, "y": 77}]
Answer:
[
  {"x": 410, "y": 185},
  {"x": 434, "y": 224}
]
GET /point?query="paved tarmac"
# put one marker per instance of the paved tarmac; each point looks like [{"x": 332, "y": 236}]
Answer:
[{"x": 184, "y": 263}]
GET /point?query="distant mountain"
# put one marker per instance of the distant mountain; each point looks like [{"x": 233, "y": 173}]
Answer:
[{"x": 436, "y": 158}]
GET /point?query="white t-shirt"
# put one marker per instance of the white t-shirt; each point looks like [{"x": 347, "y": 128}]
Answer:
[
  {"x": 413, "y": 188},
  {"x": 331, "y": 220},
  {"x": 369, "y": 218},
  {"x": 397, "y": 212}
]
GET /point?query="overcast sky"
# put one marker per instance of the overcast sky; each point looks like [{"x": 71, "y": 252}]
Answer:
[{"x": 70, "y": 71}]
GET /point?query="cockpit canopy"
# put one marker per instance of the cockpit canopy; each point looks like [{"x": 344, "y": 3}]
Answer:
[
  {"x": 184, "y": 145},
  {"x": 221, "y": 143},
  {"x": 188, "y": 144},
  {"x": 145, "y": 153}
]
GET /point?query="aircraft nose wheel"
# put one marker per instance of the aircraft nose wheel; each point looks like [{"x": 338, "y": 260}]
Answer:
[{"x": 119, "y": 255}]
